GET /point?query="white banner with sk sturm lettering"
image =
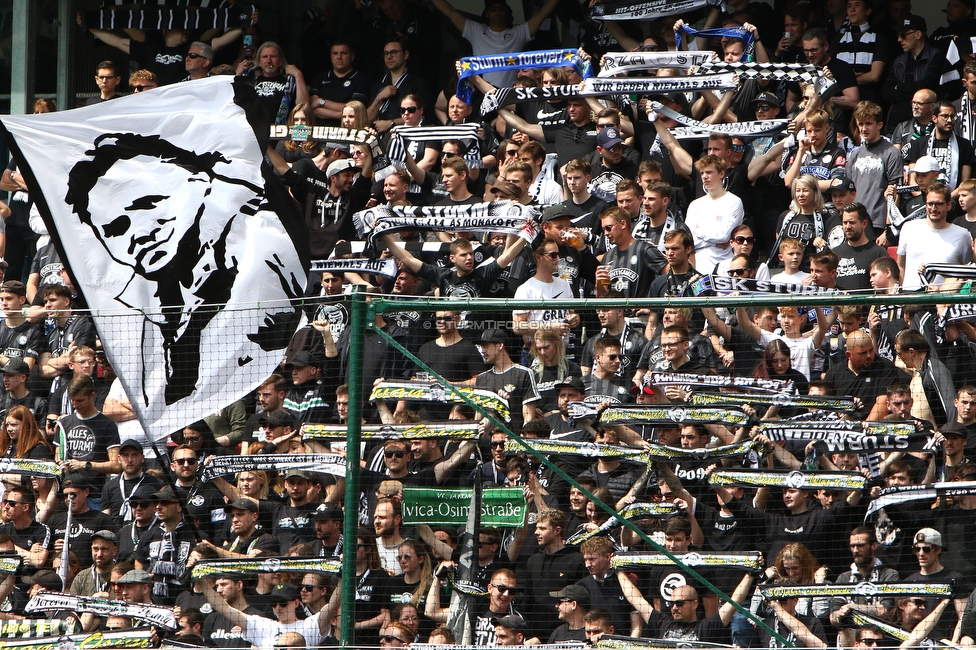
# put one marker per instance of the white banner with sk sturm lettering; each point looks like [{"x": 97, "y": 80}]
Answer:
[
  {"x": 319, "y": 463},
  {"x": 164, "y": 211},
  {"x": 618, "y": 62},
  {"x": 157, "y": 615},
  {"x": 657, "y": 85},
  {"x": 363, "y": 265},
  {"x": 494, "y": 216},
  {"x": 505, "y": 96}
]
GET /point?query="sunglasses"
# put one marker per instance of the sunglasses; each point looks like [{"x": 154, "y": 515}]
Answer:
[
  {"x": 185, "y": 461},
  {"x": 764, "y": 107},
  {"x": 135, "y": 89},
  {"x": 7, "y": 502},
  {"x": 394, "y": 454},
  {"x": 737, "y": 272},
  {"x": 194, "y": 55},
  {"x": 310, "y": 587},
  {"x": 511, "y": 152},
  {"x": 504, "y": 589},
  {"x": 444, "y": 319},
  {"x": 918, "y": 602},
  {"x": 611, "y": 357},
  {"x": 741, "y": 239},
  {"x": 279, "y": 603},
  {"x": 678, "y": 603},
  {"x": 390, "y": 637},
  {"x": 923, "y": 549},
  {"x": 607, "y": 228},
  {"x": 498, "y": 444},
  {"x": 871, "y": 640},
  {"x": 409, "y": 109},
  {"x": 553, "y": 255},
  {"x": 140, "y": 504}
]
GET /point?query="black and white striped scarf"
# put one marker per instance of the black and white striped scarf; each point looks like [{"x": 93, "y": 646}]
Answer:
[
  {"x": 363, "y": 265},
  {"x": 494, "y": 216},
  {"x": 467, "y": 133},
  {"x": 772, "y": 72},
  {"x": 198, "y": 18},
  {"x": 896, "y": 219},
  {"x": 699, "y": 129}
]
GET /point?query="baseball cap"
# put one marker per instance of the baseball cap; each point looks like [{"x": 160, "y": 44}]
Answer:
[
  {"x": 129, "y": 443},
  {"x": 143, "y": 493},
  {"x": 954, "y": 429},
  {"x": 766, "y": 97},
  {"x": 573, "y": 592},
  {"x": 912, "y": 22},
  {"x": 928, "y": 536},
  {"x": 166, "y": 493},
  {"x": 492, "y": 336},
  {"x": 340, "y": 165},
  {"x": 302, "y": 359},
  {"x": 576, "y": 383},
  {"x": 842, "y": 184},
  {"x": 135, "y": 577},
  {"x": 608, "y": 137},
  {"x": 513, "y": 622},
  {"x": 280, "y": 418},
  {"x": 296, "y": 473},
  {"x": 242, "y": 504},
  {"x": 13, "y": 286},
  {"x": 328, "y": 512},
  {"x": 77, "y": 481},
  {"x": 16, "y": 367},
  {"x": 927, "y": 164},
  {"x": 285, "y": 592},
  {"x": 555, "y": 211}
]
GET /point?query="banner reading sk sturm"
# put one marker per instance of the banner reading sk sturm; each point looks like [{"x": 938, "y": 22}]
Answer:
[{"x": 500, "y": 507}]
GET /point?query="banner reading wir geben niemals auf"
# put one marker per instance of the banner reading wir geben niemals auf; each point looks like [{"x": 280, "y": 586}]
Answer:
[{"x": 500, "y": 507}]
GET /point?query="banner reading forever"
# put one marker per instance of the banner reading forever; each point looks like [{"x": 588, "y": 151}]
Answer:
[{"x": 500, "y": 507}]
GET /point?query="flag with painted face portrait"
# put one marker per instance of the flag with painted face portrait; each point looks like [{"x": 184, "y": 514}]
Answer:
[{"x": 187, "y": 248}]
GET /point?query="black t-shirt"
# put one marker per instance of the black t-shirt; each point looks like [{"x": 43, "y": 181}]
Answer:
[
  {"x": 293, "y": 524},
  {"x": 458, "y": 362},
  {"x": 709, "y": 630},
  {"x": 25, "y": 341},
  {"x": 83, "y": 526},
  {"x": 169, "y": 63},
  {"x": 633, "y": 270},
  {"x": 571, "y": 141},
  {"x": 942, "y": 152},
  {"x": 90, "y": 439},
  {"x": 855, "y": 264},
  {"x": 331, "y": 87},
  {"x": 615, "y": 390}
]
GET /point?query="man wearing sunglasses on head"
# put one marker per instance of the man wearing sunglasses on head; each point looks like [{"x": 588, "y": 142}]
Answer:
[
  {"x": 198, "y": 496},
  {"x": 928, "y": 548}
]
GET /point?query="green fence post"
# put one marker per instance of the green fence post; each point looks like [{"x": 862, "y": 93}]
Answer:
[{"x": 359, "y": 320}]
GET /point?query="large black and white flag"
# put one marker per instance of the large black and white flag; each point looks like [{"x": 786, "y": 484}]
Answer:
[{"x": 187, "y": 248}]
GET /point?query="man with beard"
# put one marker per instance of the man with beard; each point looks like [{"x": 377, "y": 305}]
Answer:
[
  {"x": 509, "y": 380},
  {"x": 615, "y": 326},
  {"x": 857, "y": 252},
  {"x": 279, "y": 85},
  {"x": 863, "y": 545},
  {"x": 605, "y": 384},
  {"x": 681, "y": 621},
  {"x": 920, "y": 125}
]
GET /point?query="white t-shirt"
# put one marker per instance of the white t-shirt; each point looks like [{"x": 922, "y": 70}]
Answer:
[
  {"x": 535, "y": 289},
  {"x": 801, "y": 350},
  {"x": 484, "y": 41},
  {"x": 788, "y": 278},
  {"x": 920, "y": 243},
  {"x": 711, "y": 222},
  {"x": 262, "y": 631},
  {"x": 545, "y": 190}
]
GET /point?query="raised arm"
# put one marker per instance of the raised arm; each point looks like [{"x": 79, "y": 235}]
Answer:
[
  {"x": 510, "y": 253},
  {"x": 681, "y": 159},
  {"x": 445, "y": 467},
  {"x": 535, "y": 22},
  {"x": 534, "y": 131},
  {"x": 235, "y": 616},
  {"x": 634, "y": 596},
  {"x": 402, "y": 254},
  {"x": 796, "y": 626},
  {"x": 726, "y": 611},
  {"x": 455, "y": 16}
]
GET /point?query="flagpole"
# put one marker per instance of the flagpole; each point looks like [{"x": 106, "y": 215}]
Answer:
[{"x": 359, "y": 320}]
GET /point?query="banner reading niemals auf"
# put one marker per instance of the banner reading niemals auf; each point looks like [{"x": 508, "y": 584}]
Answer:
[{"x": 500, "y": 507}]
